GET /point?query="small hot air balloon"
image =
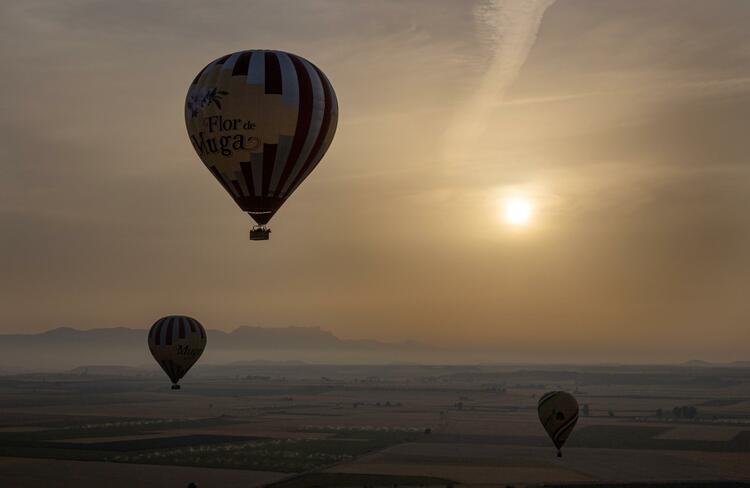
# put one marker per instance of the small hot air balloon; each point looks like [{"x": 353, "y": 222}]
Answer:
[
  {"x": 176, "y": 342},
  {"x": 558, "y": 412},
  {"x": 260, "y": 121}
]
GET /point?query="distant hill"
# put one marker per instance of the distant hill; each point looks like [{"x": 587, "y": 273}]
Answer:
[
  {"x": 245, "y": 337},
  {"x": 66, "y": 347},
  {"x": 698, "y": 363},
  {"x": 106, "y": 370}
]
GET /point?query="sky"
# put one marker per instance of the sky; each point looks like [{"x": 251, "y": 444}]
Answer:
[{"x": 622, "y": 124}]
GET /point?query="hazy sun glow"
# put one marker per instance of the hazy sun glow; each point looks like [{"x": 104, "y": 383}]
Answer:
[{"x": 517, "y": 211}]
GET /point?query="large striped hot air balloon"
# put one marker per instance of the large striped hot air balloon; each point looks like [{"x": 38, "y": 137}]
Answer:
[
  {"x": 261, "y": 121},
  {"x": 176, "y": 342},
  {"x": 558, "y": 412}
]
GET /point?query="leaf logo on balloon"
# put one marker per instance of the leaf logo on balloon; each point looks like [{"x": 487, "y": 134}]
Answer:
[{"x": 197, "y": 102}]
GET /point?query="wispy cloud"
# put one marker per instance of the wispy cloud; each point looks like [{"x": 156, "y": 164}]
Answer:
[{"x": 510, "y": 29}]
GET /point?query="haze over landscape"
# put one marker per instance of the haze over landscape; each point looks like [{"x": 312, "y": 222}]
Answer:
[
  {"x": 521, "y": 262},
  {"x": 622, "y": 125}
]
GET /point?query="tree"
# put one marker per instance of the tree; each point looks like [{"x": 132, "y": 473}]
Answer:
[{"x": 685, "y": 412}]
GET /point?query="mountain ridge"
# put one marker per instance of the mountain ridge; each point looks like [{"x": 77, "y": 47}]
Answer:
[{"x": 242, "y": 337}]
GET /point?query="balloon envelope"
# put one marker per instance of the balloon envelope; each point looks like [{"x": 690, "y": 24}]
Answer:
[
  {"x": 176, "y": 342},
  {"x": 261, "y": 121},
  {"x": 558, "y": 413}
]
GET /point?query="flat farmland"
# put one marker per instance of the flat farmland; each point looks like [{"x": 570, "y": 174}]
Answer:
[
  {"x": 466, "y": 426},
  {"x": 701, "y": 433},
  {"x": 487, "y": 464},
  {"x": 33, "y": 473}
]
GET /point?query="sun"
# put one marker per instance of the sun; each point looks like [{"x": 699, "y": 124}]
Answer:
[{"x": 517, "y": 211}]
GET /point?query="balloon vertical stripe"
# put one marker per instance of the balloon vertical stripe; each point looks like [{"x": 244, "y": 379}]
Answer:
[
  {"x": 273, "y": 74},
  {"x": 240, "y": 66},
  {"x": 256, "y": 167},
  {"x": 289, "y": 83},
  {"x": 228, "y": 65},
  {"x": 222, "y": 59},
  {"x": 269, "y": 159},
  {"x": 156, "y": 329},
  {"x": 282, "y": 156},
  {"x": 168, "y": 340},
  {"x": 256, "y": 74},
  {"x": 247, "y": 173}
]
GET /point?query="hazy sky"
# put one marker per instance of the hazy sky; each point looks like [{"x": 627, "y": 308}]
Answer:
[{"x": 624, "y": 123}]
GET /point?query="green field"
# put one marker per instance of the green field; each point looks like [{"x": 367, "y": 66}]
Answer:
[{"x": 215, "y": 451}]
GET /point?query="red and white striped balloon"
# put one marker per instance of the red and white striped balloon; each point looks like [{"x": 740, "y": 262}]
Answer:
[{"x": 261, "y": 121}]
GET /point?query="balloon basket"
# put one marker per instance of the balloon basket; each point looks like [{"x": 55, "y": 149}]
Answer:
[
  {"x": 175, "y": 387},
  {"x": 260, "y": 233}
]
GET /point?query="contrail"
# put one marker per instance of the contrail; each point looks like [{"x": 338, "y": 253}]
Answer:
[{"x": 510, "y": 27}]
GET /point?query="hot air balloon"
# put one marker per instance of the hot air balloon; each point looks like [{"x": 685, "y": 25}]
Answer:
[
  {"x": 176, "y": 342},
  {"x": 261, "y": 121},
  {"x": 558, "y": 412}
]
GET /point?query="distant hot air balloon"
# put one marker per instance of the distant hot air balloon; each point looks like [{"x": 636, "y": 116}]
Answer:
[
  {"x": 261, "y": 121},
  {"x": 558, "y": 412},
  {"x": 176, "y": 342}
]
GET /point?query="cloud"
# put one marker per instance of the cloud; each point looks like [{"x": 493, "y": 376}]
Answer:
[{"x": 510, "y": 29}]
